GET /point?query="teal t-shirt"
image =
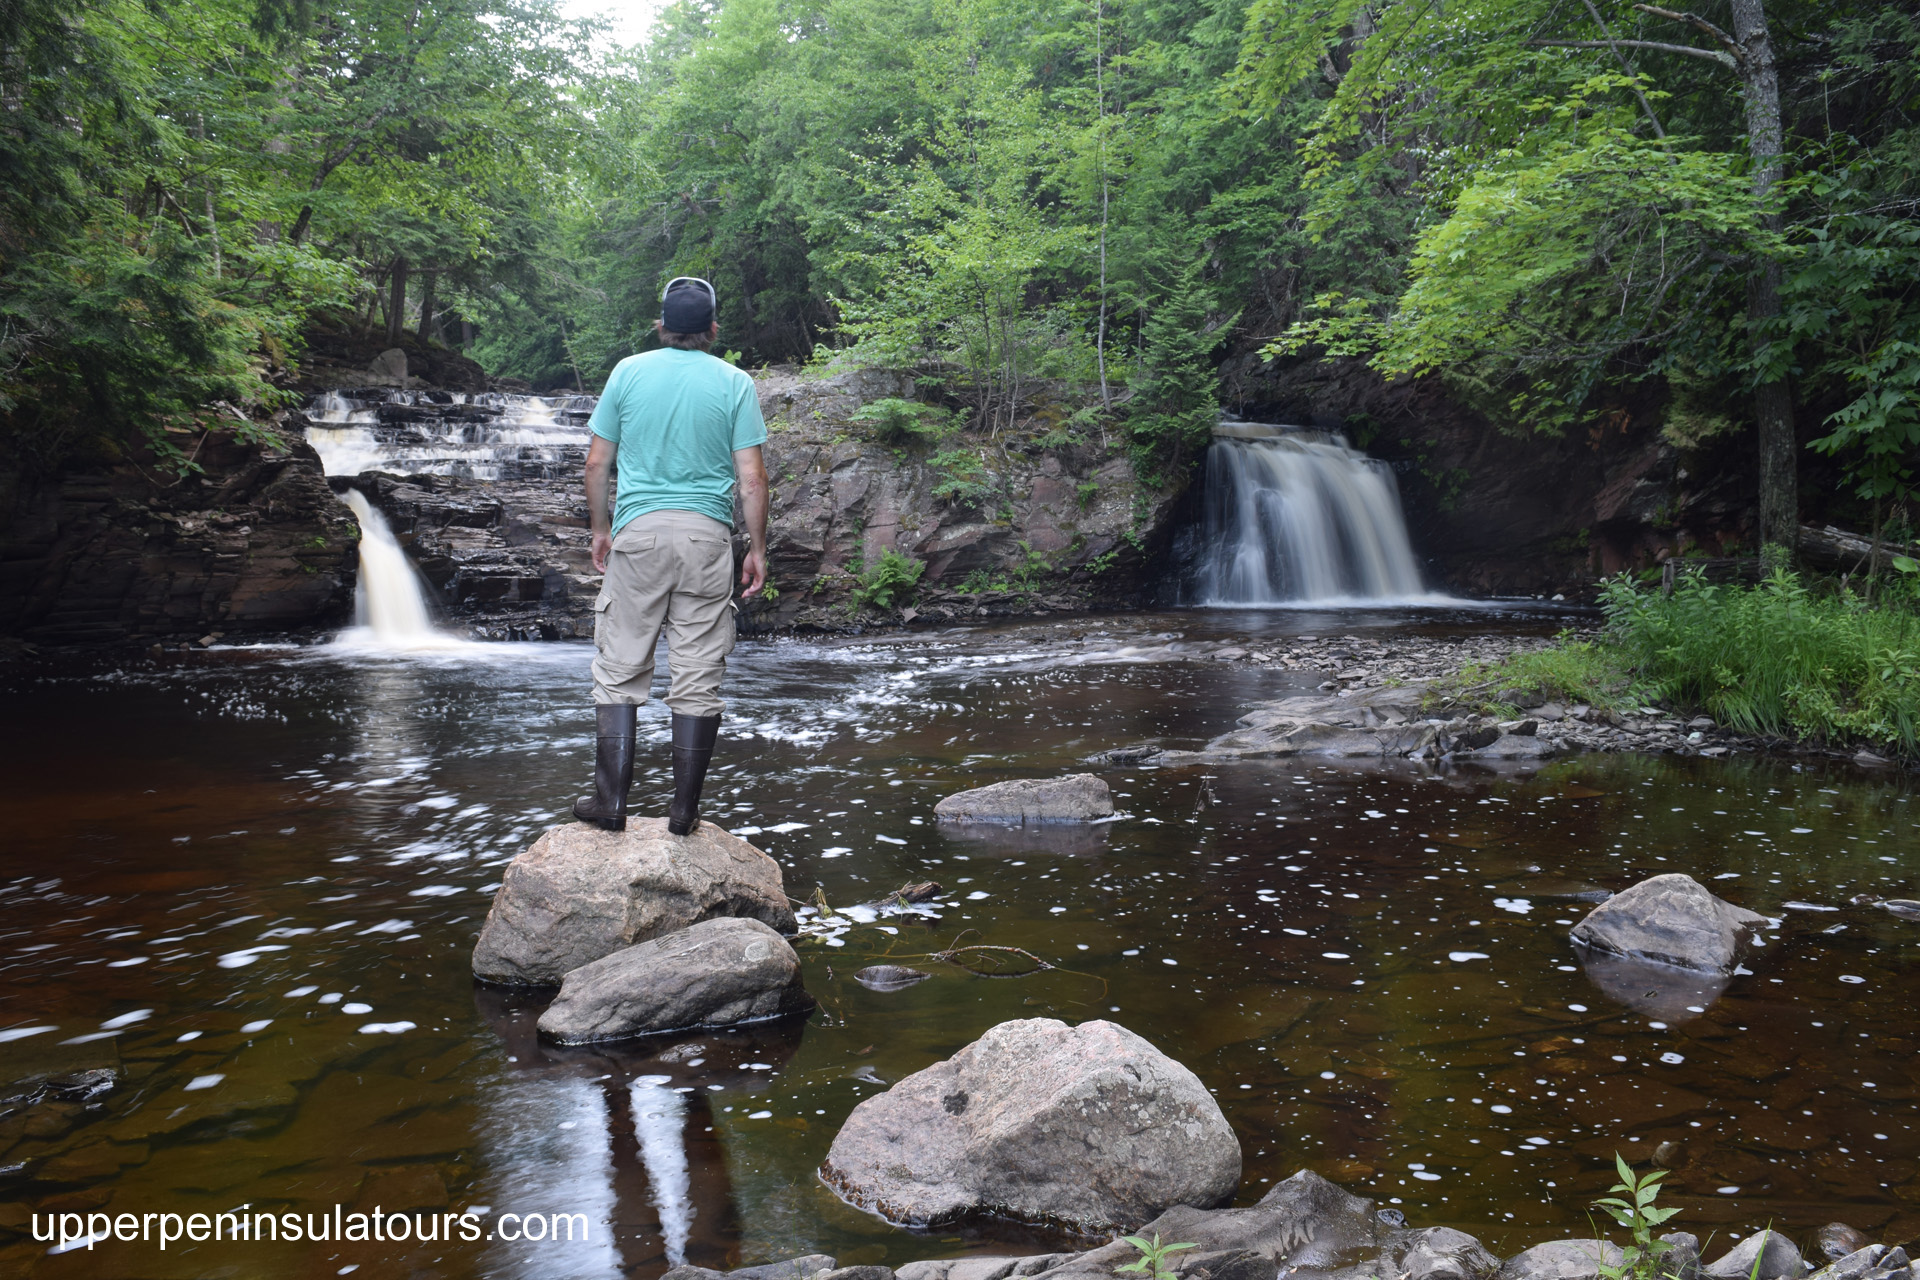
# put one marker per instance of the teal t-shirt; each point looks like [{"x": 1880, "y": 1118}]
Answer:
[{"x": 676, "y": 417}]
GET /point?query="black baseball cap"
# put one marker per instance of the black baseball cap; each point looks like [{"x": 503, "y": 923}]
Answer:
[{"x": 688, "y": 304}]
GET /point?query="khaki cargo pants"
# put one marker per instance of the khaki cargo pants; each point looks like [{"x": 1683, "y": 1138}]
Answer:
[{"x": 671, "y": 568}]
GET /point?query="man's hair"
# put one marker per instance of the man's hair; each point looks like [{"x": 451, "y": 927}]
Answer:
[{"x": 702, "y": 341}]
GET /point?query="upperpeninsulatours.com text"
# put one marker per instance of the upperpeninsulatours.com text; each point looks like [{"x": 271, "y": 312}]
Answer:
[{"x": 76, "y": 1231}]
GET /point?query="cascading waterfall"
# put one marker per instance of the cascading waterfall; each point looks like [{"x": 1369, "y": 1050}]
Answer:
[
  {"x": 388, "y": 601},
  {"x": 1300, "y": 517}
]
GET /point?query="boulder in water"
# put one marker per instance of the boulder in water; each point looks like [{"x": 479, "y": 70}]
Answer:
[
  {"x": 1838, "y": 1240},
  {"x": 1079, "y": 797},
  {"x": 1563, "y": 1260},
  {"x": 716, "y": 973},
  {"x": 1672, "y": 920},
  {"x": 889, "y": 977},
  {"x": 581, "y": 893},
  {"x": 1764, "y": 1255},
  {"x": 1088, "y": 1128},
  {"x": 1441, "y": 1253}
]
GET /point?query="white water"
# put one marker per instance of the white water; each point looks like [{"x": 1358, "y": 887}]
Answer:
[
  {"x": 525, "y": 430},
  {"x": 388, "y": 603},
  {"x": 1299, "y": 517}
]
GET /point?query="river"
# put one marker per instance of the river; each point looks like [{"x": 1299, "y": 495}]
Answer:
[{"x": 249, "y": 880}]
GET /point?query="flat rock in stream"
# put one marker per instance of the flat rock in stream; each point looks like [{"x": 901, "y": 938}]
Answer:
[
  {"x": 1305, "y": 1224},
  {"x": 1374, "y": 723},
  {"x": 1078, "y": 797},
  {"x": 716, "y": 973},
  {"x": 580, "y": 894},
  {"x": 1671, "y": 920},
  {"x": 1088, "y": 1128}
]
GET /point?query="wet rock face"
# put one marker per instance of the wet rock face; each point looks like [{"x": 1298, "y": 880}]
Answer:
[
  {"x": 841, "y": 499},
  {"x": 715, "y": 973},
  {"x": 580, "y": 894},
  {"x": 1087, "y": 1128},
  {"x": 1669, "y": 920},
  {"x": 256, "y": 544},
  {"x": 1079, "y": 797}
]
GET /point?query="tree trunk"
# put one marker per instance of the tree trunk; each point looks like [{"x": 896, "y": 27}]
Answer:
[
  {"x": 426, "y": 306},
  {"x": 1773, "y": 400},
  {"x": 397, "y": 305}
]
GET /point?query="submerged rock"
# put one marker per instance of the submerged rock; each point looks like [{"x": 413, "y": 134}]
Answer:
[
  {"x": 1088, "y": 1128},
  {"x": 1905, "y": 908},
  {"x": 1670, "y": 920},
  {"x": 581, "y": 893},
  {"x": 1776, "y": 1256},
  {"x": 1838, "y": 1240},
  {"x": 1079, "y": 797},
  {"x": 1563, "y": 1260},
  {"x": 716, "y": 973}
]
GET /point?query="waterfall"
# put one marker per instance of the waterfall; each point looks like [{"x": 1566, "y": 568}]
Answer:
[
  {"x": 1297, "y": 517},
  {"x": 388, "y": 602},
  {"x": 483, "y": 436}
]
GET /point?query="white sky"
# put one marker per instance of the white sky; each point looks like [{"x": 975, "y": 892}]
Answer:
[{"x": 628, "y": 19}]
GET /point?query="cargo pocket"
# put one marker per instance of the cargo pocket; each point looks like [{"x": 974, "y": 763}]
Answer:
[{"x": 712, "y": 557}]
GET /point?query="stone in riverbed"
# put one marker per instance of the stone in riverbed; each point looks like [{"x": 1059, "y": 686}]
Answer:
[
  {"x": 581, "y": 893},
  {"x": 1838, "y": 1240},
  {"x": 1304, "y": 1222},
  {"x": 717, "y": 973},
  {"x": 1079, "y": 797},
  {"x": 1672, "y": 920},
  {"x": 889, "y": 977},
  {"x": 1563, "y": 1260},
  {"x": 1441, "y": 1253},
  {"x": 1776, "y": 1254},
  {"x": 1086, "y": 1128}
]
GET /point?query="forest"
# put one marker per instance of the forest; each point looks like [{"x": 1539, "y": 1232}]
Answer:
[{"x": 1060, "y": 215}]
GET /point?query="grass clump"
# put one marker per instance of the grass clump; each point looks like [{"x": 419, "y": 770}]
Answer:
[
  {"x": 1778, "y": 658},
  {"x": 1575, "y": 669}
]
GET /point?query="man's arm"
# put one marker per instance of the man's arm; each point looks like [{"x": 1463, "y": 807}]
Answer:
[
  {"x": 750, "y": 471},
  {"x": 599, "y": 469}
]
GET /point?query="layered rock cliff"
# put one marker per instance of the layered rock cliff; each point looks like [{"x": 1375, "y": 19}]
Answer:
[
  {"x": 255, "y": 544},
  {"x": 1032, "y": 528}
]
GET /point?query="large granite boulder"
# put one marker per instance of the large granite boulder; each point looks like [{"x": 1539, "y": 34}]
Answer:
[
  {"x": 716, "y": 973},
  {"x": 1670, "y": 919},
  {"x": 1563, "y": 1260},
  {"x": 1087, "y": 1128},
  {"x": 1079, "y": 797},
  {"x": 581, "y": 893}
]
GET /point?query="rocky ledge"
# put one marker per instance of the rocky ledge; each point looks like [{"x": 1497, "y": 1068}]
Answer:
[
  {"x": 1394, "y": 698},
  {"x": 253, "y": 543}
]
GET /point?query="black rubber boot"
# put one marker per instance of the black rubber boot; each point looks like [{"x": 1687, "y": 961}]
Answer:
[
  {"x": 612, "y": 767},
  {"x": 693, "y": 738}
]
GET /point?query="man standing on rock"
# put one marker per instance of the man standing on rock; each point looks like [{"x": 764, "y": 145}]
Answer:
[{"x": 682, "y": 426}]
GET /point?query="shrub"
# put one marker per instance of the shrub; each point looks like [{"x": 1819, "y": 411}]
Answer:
[
  {"x": 890, "y": 580},
  {"x": 894, "y": 421}
]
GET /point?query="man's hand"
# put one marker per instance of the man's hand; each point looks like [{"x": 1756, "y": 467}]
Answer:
[
  {"x": 753, "y": 573},
  {"x": 602, "y": 548}
]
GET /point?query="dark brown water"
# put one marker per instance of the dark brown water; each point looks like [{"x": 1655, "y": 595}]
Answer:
[{"x": 249, "y": 880}]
